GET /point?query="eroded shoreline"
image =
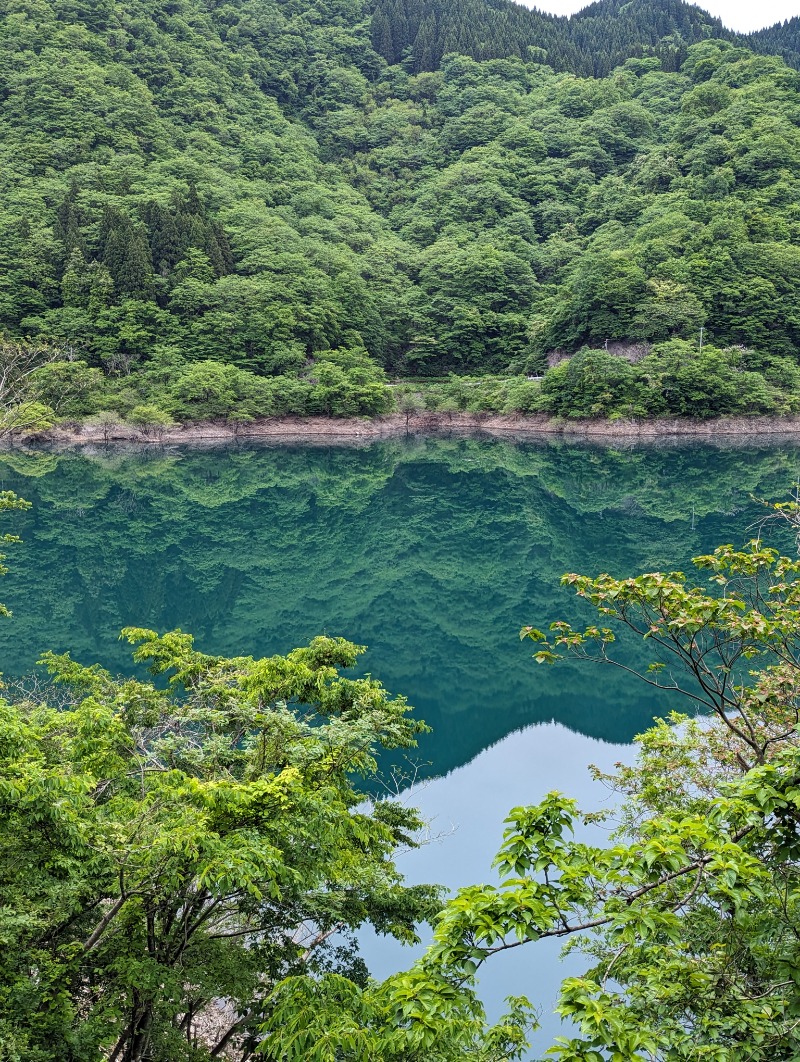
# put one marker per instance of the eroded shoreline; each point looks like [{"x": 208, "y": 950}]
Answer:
[{"x": 319, "y": 429}]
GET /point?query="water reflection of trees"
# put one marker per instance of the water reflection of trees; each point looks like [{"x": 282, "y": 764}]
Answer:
[{"x": 432, "y": 551}]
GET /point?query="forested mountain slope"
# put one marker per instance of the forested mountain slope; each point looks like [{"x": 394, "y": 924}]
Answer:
[
  {"x": 781, "y": 39},
  {"x": 590, "y": 43},
  {"x": 252, "y": 183}
]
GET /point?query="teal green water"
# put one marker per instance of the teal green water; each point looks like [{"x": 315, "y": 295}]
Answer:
[{"x": 432, "y": 552}]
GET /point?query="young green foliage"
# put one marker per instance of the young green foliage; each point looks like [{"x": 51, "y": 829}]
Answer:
[
  {"x": 167, "y": 856},
  {"x": 690, "y": 916}
]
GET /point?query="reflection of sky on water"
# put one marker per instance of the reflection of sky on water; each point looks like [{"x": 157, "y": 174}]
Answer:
[{"x": 466, "y": 809}]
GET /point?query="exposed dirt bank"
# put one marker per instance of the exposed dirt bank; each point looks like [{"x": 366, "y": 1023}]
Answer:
[{"x": 328, "y": 428}]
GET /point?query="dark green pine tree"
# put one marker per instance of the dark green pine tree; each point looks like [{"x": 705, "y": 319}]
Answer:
[
  {"x": 426, "y": 46},
  {"x": 195, "y": 232},
  {"x": 591, "y": 43},
  {"x": 218, "y": 248},
  {"x": 191, "y": 203},
  {"x": 67, "y": 226},
  {"x": 781, "y": 39},
  {"x": 165, "y": 239},
  {"x": 127, "y": 256},
  {"x": 382, "y": 40},
  {"x": 135, "y": 275}
]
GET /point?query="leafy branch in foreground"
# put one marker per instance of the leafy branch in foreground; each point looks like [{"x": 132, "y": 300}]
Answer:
[
  {"x": 693, "y": 916},
  {"x": 168, "y": 856},
  {"x": 692, "y": 926},
  {"x": 733, "y": 649},
  {"x": 690, "y": 915}
]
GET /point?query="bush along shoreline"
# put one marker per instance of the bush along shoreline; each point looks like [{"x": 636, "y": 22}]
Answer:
[{"x": 674, "y": 386}]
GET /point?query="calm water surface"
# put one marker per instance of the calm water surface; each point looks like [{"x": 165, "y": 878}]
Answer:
[{"x": 432, "y": 552}]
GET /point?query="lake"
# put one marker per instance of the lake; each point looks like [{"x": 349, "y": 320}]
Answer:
[{"x": 431, "y": 551}]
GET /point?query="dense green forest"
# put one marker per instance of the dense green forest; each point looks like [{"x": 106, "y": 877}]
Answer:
[
  {"x": 255, "y": 185},
  {"x": 590, "y": 43},
  {"x": 780, "y": 39},
  {"x": 238, "y": 208}
]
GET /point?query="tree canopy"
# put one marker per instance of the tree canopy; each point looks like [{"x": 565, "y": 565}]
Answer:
[{"x": 169, "y": 855}]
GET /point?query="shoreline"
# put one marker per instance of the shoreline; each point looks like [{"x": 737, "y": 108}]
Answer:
[{"x": 398, "y": 424}]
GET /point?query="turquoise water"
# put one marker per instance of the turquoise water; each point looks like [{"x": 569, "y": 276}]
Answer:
[{"x": 433, "y": 552}]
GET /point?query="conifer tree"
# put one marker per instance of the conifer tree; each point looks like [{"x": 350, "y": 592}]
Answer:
[{"x": 67, "y": 226}]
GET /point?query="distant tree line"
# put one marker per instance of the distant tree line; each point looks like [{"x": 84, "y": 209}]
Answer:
[{"x": 418, "y": 33}]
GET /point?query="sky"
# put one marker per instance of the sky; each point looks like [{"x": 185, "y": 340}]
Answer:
[{"x": 741, "y": 15}]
